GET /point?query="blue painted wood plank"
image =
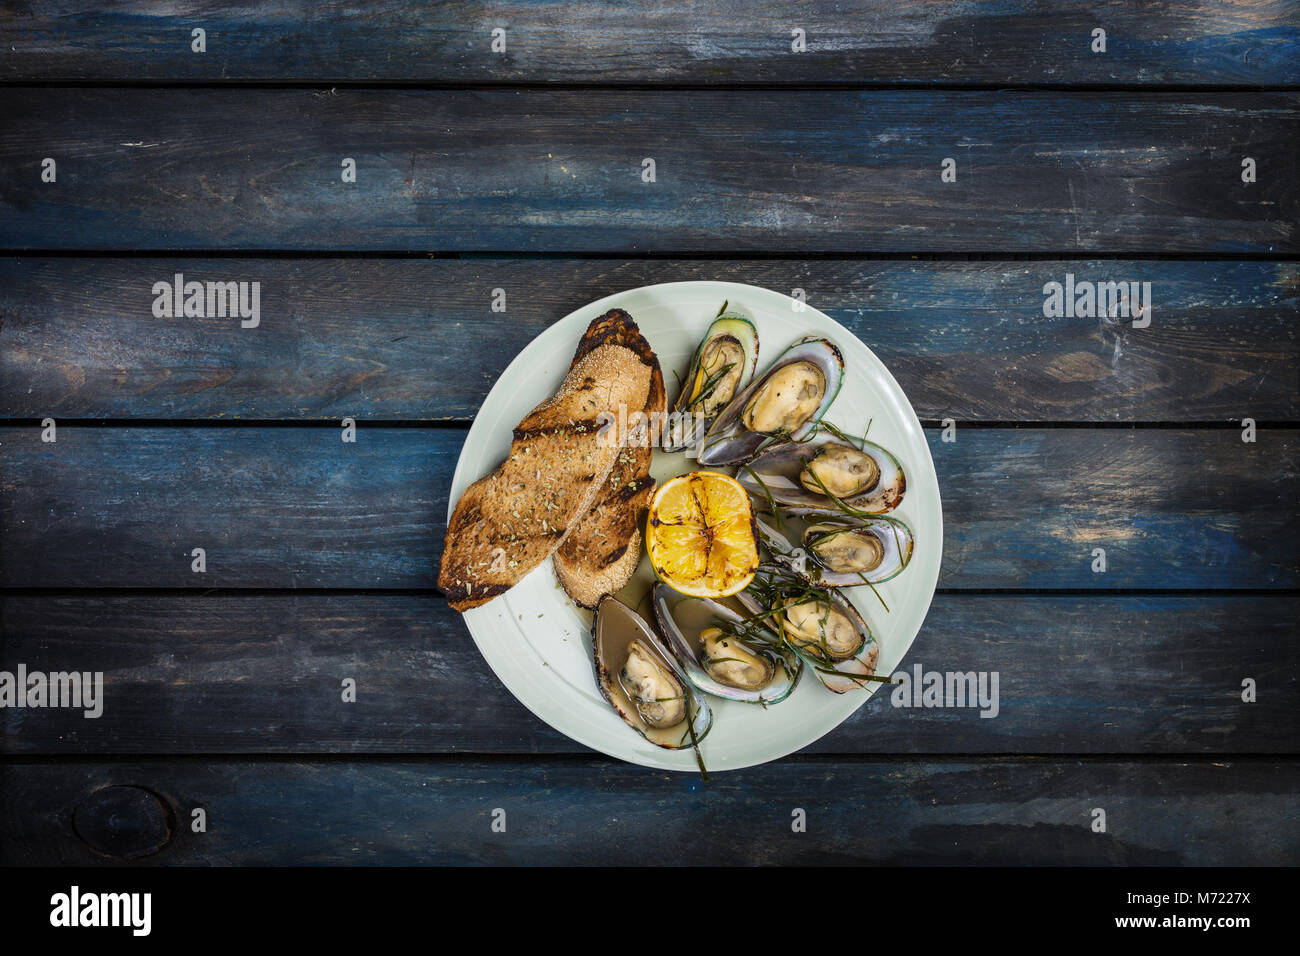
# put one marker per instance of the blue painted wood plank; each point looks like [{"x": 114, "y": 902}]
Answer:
[
  {"x": 1213, "y": 42},
  {"x": 1011, "y": 811},
  {"x": 417, "y": 339},
  {"x": 296, "y": 507},
  {"x": 1027, "y": 508},
  {"x": 766, "y": 171},
  {"x": 239, "y": 673}
]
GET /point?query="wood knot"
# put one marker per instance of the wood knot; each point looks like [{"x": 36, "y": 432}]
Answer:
[{"x": 124, "y": 822}]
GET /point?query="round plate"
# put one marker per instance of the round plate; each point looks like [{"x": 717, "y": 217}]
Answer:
[{"x": 538, "y": 642}]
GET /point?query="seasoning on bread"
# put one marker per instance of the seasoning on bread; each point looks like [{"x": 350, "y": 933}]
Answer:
[
  {"x": 512, "y": 520},
  {"x": 601, "y": 553}
]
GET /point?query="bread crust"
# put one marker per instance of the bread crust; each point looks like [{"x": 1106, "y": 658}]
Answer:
[
  {"x": 509, "y": 522},
  {"x": 600, "y": 554}
]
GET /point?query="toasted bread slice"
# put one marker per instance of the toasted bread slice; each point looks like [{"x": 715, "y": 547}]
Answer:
[
  {"x": 601, "y": 553},
  {"x": 507, "y": 523}
]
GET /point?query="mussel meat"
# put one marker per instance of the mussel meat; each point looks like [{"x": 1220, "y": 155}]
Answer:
[
  {"x": 721, "y": 367},
  {"x": 815, "y": 625},
  {"x": 844, "y": 549},
  {"x": 831, "y": 548},
  {"x": 642, "y": 682},
  {"x": 822, "y": 628},
  {"x": 724, "y": 653},
  {"x": 786, "y": 399},
  {"x": 826, "y": 470},
  {"x": 729, "y": 662},
  {"x": 659, "y": 697},
  {"x": 784, "y": 404},
  {"x": 839, "y": 470}
]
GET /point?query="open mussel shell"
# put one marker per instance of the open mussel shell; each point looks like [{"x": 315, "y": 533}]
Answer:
[
  {"x": 785, "y": 403},
  {"x": 720, "y": 369},
  {"x": 642, "y": 680},
  {"x": 829, "y": 548},
  {"x": 682, "y": 620},
  {"x": 812, "y": 625},
  {"x": 811, "y": 473}
]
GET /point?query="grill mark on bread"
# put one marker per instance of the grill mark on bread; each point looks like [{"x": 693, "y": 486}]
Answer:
[
  {"x": 613, "y": 556},
  {"x": 631, "y": 489},
  {"x": 583, "y": 427},
  {"x": 485, "y": 592}
]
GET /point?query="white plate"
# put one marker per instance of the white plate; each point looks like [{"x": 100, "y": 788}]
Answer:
[{"x": 538, "y": 643}]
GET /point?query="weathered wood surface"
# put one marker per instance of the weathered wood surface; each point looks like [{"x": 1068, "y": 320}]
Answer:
[
  {"x": 124, "y": 823},
  {"x": 417, "y": 339},
  {"x": 1211, "y": 42},
  {"x": 287, "y": 507},
  {"x": 1015, "y": 811},
  {"x": 782, "y": 172},
  {"x": 230, "y": 700},
  {"x": 232, "y": 673}
]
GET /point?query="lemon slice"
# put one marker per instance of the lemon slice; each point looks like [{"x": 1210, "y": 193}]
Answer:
[{"x": 700, "y": 535}]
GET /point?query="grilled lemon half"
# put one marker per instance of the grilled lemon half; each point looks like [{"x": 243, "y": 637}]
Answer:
[{"x": 700, "y": 535}]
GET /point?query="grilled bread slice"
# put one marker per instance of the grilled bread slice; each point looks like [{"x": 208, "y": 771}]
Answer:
[
  {"x": 507, "y": 523},
  {"x": 606, "y": 546},
  {"x": 600, "y": 554}
]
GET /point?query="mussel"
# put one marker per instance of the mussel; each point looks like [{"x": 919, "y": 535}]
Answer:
[
  {"x": 784, "y": 404},
  {"x": 826, "y": 467},
  {"x": 844, "y": 549},
  {"x": 821, "y": 627},
  {"x": 831, "y": 548},
  {"x": 840, "y": 471},
  {"x": 815, "y": 625},
  {"x": 642, "y": 681},
  {"x": 721, "y": 652},
  {"x": 721, "y": 367}
]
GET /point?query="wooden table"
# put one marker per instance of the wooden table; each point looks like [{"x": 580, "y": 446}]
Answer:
[{"x": 522, "y": 170}]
